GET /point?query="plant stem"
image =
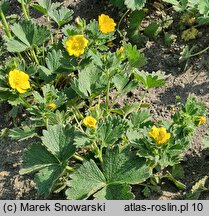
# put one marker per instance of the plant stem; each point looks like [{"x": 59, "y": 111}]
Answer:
[
  {"x": 79, "y": 125},
  {"x": 49, "y": 25},
  {"x": 198, "y": 53},
  {"x": 98, "y": 152},
  {"x": 119, "y": 23},
  {"x": 77, "y": 157},
  {"x": 24, "y": 102},
  {"x": 57, "y": 35},
  {"x": 43, "y": 54},
  {"x": 21, "y": 58},
  {"x": 142, "y": 98},
  {"x": 68, "y": 168},
  {"x": 24, "y": 10},
  {"x": 107, "y": 97},
  {"x": 34, "y": 56},
  {"x": 6, "y": 26}
]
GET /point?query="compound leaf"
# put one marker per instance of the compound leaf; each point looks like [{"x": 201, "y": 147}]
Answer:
[
  {"x": 135, "y": 4},
  {"x": 124, "y": 167},
  {"x": 136, "y": 59},
  {"x": 151, "y": 80},
  {"x": 111, "y": 130},
  {"x": 27, "y": 35},
  {"x": 87, "y": 180},
  {"x": 61, "y": 16},
  {"x": 46, "y": 178},
  {"x": 115, "y": 192},
  {"x": 35, "y": 158},
  {"x": 59, "y": 141}
]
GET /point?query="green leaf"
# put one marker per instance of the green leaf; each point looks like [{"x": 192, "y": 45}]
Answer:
[
  {"x": 135, "y": 58},
  {"x": 135, "y": 19},
  {"x": 134, "y": 29},
  {"x": 203, "y": 7},
  {"x": 111, "y": 130},
  {"x": 53, "y": 60},
  {"x": 140, "y": 119},
  {"x": 177, "y": 171},
  {"x": 45, "y": 74},
  {"x": 89, "y": 82},
  {"x": 115, "y": 192},
  {"x": 59, "y": 141},
  {"x": 178, "y": 6},
  {"x": 22, "y": 134},
  {"x": 194, "y": 107},
  {"x": 50, "y": 157},
  {"x": 46, "y": 178},
  {"x": 153, "y": 80},
  {"x": 25, "y": 1},
  {"x": 119, "y": 169},
  {"x": 135, "y": 4},
  {"x": 124, "y": 167},
  {"x": 151, "y": 30},
  {"x": 16, "y": 46},
  {"x": 117, "y": 3},
  {"x": 120, "y": 81},
  {"x": 178, "y": 184},
  {"x": 61, "y": 16},
  {"x": 87, "y": 180},
  {"x": 35, "y": 158},
  {"x": 27, "y": 35},
  {"x": 129, "y": 108},
  {"x": 4, "y": 5},
  {"x": 44, "y": 6}
]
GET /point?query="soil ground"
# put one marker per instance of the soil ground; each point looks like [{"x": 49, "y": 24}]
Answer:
[{"x": 193, "y": 80}]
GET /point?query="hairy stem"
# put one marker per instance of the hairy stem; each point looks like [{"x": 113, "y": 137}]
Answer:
[
  {"x": 119, "y": 23},
  {"x": 78, "y": 157},
  {"x": 98, "y": 152},
  {"x": 107, "y": 97},
  {"x": 6, "y": 26},
  {"x": 49, "y": 25},
  {"x": 198, "y": 53},
  {"x": 24, "y": 9},
  {"x": 70, "y": 169},
  {"x": 142, "y": 98},
  {"x": 57, "y": 35},
  {"x": 34, "y": 56}
]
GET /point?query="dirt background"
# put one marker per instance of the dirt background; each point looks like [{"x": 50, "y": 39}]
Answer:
[{"x": 193, "y": 80}]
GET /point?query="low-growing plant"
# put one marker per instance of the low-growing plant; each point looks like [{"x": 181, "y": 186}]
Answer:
[{"x": 67, "y": 82}]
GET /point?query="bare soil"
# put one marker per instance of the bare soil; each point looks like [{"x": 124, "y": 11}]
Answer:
[{"x": 193, "y": 80}]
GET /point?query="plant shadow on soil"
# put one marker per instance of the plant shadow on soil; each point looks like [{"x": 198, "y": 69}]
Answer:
[{"x": 182, "y": 83}]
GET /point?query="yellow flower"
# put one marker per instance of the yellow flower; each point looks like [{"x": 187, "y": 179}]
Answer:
[
  {"x": 120, "y": 50},
  {"x": 52, "y": 105},
  {"x": 89, "y": 121},
  {"x": 106, "y": 24},
  {"x": 76, "y": 44},
  {"x": 201, "y": 120},
  {"x": 189, "y": 34},
  {"x": 19, "y": 80},
  {"x": 159, "y": 135}
]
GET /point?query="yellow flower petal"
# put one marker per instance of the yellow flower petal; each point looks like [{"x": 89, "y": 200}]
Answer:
[
  {"x": 201, "y": 120},
  {"x": 106, "y": 24},
  {"x": 90, "y": 122},
  {"x": 19, "y": 80},
  {"x": 76, "y": 44},
  {"x": 52, "y": 106},
  {"x": 160, "y": 135}
]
